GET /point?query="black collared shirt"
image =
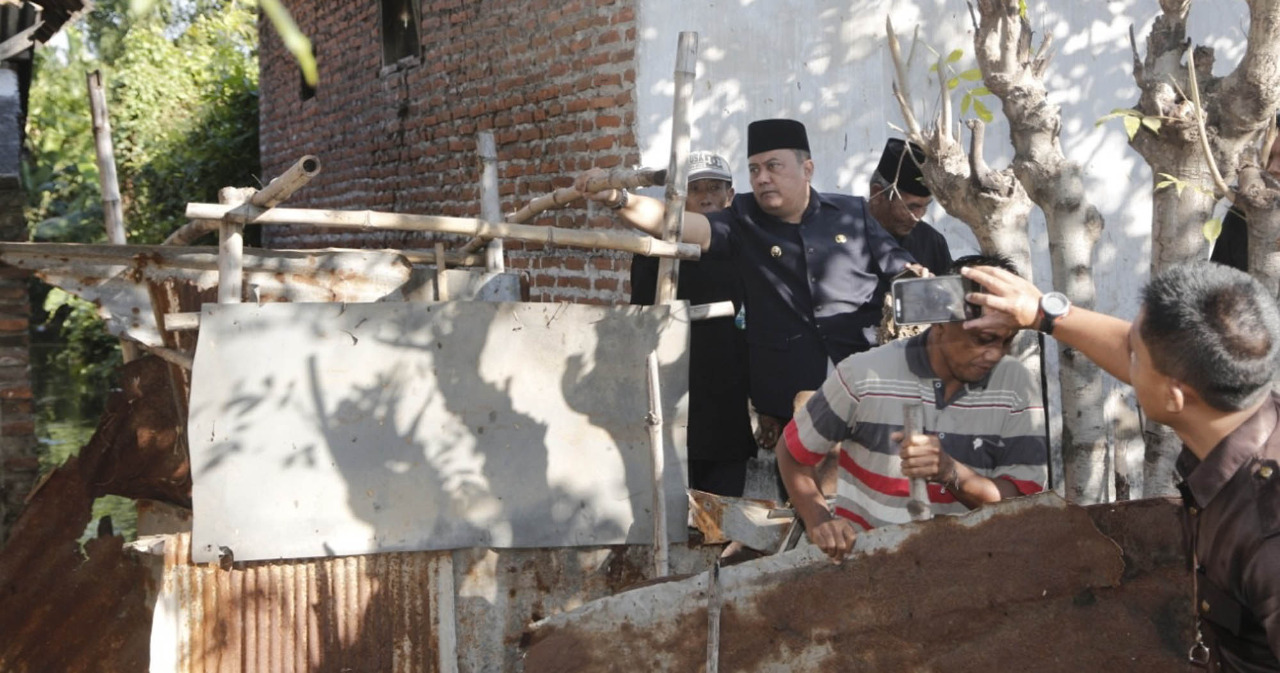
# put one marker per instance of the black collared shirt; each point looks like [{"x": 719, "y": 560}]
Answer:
[
  {"x": 1232, "y": 500},
  {"x": 814, "y": 291},
  {"x": 929, "y": 247}
]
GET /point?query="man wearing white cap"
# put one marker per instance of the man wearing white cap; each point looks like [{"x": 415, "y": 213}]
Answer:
[{"x": 720, "y": 441}]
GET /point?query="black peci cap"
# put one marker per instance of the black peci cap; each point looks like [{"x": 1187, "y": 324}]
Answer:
[
  {"x": 776, "y": 134},
  {"x": 901, "y": 170}
]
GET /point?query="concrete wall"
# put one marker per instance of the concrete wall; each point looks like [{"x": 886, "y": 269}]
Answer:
[{"x": 827, "y": 63}]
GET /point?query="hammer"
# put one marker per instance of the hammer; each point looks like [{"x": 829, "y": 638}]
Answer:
[{"x": 918, "y": 505}]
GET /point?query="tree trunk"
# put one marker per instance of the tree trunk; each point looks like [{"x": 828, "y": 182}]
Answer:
[
  {"x": 1259, "y": 200},
  {"x": 1201, "y": 153},
  {"x": 1002, "y": 42}
]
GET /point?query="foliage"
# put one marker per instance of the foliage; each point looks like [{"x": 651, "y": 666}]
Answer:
[
  {"x": 1134, "y": 121},
  {"x": 182, "y": 99},
  {"x": 181, "y": 85},
  {"x": 972, "y": 96}
]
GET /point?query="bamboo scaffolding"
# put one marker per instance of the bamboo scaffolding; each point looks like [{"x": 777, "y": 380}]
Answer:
[
  {"x": 276, "y": 191},
  {"x": 231, "y": 249},
  {"x": 367, "y": 219},
  {"x": 617, "y": 178},
  {"x": 677, "y": 189}
]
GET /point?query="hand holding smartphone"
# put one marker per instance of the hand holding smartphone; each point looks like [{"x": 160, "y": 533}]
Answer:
[{"x": 919, "y": 301}]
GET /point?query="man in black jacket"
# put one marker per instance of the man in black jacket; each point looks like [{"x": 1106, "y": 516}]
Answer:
[
  {"x": 720, "y": 441},
  {"x": 899, "y": 199}
]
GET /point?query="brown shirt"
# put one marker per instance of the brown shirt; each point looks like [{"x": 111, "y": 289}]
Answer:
[{"x": 1232, "y": 500}]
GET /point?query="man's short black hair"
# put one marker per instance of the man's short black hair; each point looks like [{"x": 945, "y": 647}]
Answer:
[
  {"x": 1215, "y": 328},
  {"x": 993, "y": 259}
]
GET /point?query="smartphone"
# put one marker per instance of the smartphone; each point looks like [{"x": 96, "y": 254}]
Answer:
[{"x": 919, "y": 301}]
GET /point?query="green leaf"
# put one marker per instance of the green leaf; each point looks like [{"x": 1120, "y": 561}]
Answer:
[
  {"x": 964, "y": 103},
  {"x": 1152, "y": 124},
  {"x": 981, "y": 110},
  {"x": 981, "y": 91},
  {"x": 1022, "y": 9},
  {"x": 1131, "y": 126},
  {"x": 933, "y": 68},
  {"x": 293, "y": 39},
  {"x": 955, "y": 56},
  {"x": 953, "y": 83},
  {"x": 972, "y": 74},
  {"x": 1212, "y": 229}
]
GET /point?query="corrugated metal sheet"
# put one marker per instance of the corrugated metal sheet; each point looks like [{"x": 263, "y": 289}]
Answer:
[
  {"x": 355, "y": 613},
  {"x": 416, "y": 612}
]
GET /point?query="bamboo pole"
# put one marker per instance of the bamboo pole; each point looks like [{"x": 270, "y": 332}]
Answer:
[
  {"x": 282, "y": 187},
  {"x": 112, "y": 210},
  {"x": 661, "y": 566},
  {"x": 368, "y": 219},
  {"x": 276, "y": 191},
  {"x": 617, "y": 178},
  {"x": 490, "y": 204},
  {"x": 230, "y": 250},
  {"x": 678, "y": 169}
]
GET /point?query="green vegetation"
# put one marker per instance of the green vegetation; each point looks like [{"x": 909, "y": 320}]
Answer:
[{"x": 181, "y": 83}]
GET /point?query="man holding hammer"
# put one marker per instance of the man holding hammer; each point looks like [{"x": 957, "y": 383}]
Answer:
[{"x": 982, "y": 438}]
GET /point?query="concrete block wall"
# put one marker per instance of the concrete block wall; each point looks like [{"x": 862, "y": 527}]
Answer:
[{"x": 552, "y": 79}]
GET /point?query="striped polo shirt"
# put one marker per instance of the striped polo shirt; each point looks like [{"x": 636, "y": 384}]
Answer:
[{"x": 995, "y": 426}]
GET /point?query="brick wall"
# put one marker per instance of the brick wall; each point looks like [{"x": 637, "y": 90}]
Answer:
[
  {"x": 18, "y": 463},
  {"x": 553, "y": 80}
]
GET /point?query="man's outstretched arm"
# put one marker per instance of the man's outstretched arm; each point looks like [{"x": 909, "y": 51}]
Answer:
[
  {"x": 645, "y": 213},
  {"x": 833, "y": 535},
  {"x": 1014, "y": 301}
]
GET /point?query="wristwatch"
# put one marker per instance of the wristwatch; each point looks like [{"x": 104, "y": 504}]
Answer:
[
  {"x": 1053, "y": 305},
  {"x": 621, "y": 203}
]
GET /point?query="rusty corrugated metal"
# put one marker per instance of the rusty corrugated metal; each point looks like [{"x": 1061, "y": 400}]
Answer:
[
  {"x": 356, "y": 613},
  {"x": 417, "y": 612}
]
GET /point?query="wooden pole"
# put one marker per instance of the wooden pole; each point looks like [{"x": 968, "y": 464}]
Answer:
[
  {"x": 661, "y": 566},
  {"x": 367, "y": 219},
  {"x": 112, "y": 210},
  {"x": 490, "y": 204},
  {"x": 678, "y": 169}
]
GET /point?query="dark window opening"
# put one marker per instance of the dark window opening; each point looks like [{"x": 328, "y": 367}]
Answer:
[
  {"x": 400, "y": 21},
  {"x": 308, "y": 91}
]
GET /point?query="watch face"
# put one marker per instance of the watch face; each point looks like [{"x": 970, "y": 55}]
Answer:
[{"x": 1055, "y": 303}]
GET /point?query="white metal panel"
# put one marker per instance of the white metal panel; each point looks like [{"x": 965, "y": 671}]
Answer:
[{"x": 332, "y": 429}]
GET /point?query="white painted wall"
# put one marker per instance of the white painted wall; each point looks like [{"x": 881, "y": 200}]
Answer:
[{"x": 827, "y": 63}]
